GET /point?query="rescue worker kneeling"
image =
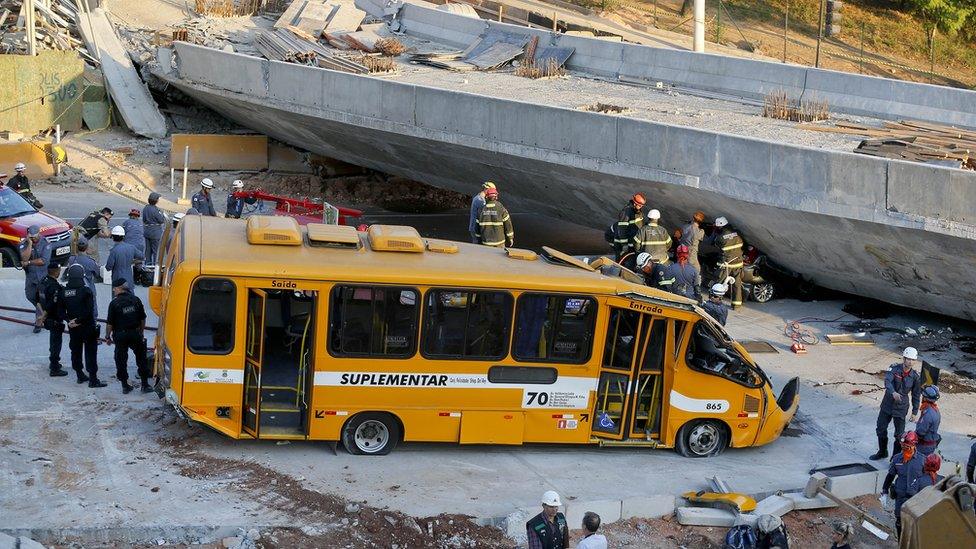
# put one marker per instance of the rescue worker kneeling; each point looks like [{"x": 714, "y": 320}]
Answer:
[
  {"x": 715, "y": 307},
  {"x": 126, "y": 321}
]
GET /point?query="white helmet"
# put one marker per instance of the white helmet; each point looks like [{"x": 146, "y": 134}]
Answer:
[
  {"x": 20, "y": 167},
  {"x": 910, "y": 353},
  {"x": 237, "y": 184},
  {"x": 643, "y": 259},
  {"x": 654, "y": 214},
  {"x": 721, "y": 222},
  {"x": 718, "y": 290},
  {"x": 551, "y": 498},
  {"x": 206, "y": 183},
  {"x": 118, "y": 231}
]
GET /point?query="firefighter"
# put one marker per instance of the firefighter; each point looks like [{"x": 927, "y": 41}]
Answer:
[
  {"x": 626, "y": 232},
  {"x": 78, "y": 310},
  {"x": 654, "y": 239},
  {"x": 202, "y": 201},
  {"x": 93, "y": 273},
  {"x": 548, "y": 529},
  {"x": 929, "y": 419},
  {"x": 905, "y": 468},
  {"x": 902, "y": 383},
  {"x": 235, "y": 204},
  {"x": 683, "y": 276},
  {"x": 494, "y": 224},
  {"x": 930, "y": 473},
  {"x": 652, "y": 271},
  {"x": 94, "y": 227},
  {"x": 125, "y": 324},
  {"x": 35, "y": 254},
  {"x": 728, "y": 240},
  {"x": 50, "y": 295},
  {"x": 477, "y": 203},
  {"x": 21, "y": 185},
  {"x": 153, "y": 221},
  {"x": 715, "y": 306},
  {"x": 123, "y": 258},
  {"x": 133, "y": 231},
  {"x": 692, "y": 236}
]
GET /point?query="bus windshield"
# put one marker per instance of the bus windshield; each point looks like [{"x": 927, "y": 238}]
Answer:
[{"x": 711, "y": 350}]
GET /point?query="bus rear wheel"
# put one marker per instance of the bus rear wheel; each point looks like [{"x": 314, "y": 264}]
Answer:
[
  {"x": 702, "y": 438},
  {"x": 371, "y": 434}
]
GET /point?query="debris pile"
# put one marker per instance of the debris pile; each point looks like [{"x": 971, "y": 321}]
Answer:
[
  {"x": 54, "y": 27},
  {"x": 496, "y": 49},
  {"x": 286, "y": 45},
  {"x": 227, "y": 8}
]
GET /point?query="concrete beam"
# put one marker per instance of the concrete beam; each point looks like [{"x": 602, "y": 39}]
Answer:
[
  {"x": 774, "y": 505},
  {"x": 705, "y": 516},
  {"x": 647, "y": 506}
]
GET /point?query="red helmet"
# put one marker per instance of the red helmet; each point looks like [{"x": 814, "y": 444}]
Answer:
[
  {"x": 639, "y": 199},
  {"x": 682, "y": 250},
  {"x": 910, "y": 439},
  {"x": 493, "y": 193},
  {"x": 933, "y": 462}
]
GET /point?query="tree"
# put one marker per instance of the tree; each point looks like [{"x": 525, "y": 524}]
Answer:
[{"x": 945, "y": 16}]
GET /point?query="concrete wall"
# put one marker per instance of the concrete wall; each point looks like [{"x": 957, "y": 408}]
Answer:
[
  {"x": 49, "y": 85},
  {"x": 799, "y": 178},
  {"x": 749, "y": 78}
]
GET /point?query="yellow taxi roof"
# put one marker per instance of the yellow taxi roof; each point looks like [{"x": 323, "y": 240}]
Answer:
[{"x": 220, "y": 247}]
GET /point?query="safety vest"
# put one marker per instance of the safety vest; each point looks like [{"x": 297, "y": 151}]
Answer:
[
  {"x": 90, "y": 224},
  {"x": 731, "y": 244},
  {"x": 629, "y": 223},
  {"x": 655, "y": 240},
  {"x": 494, "y": 225}
]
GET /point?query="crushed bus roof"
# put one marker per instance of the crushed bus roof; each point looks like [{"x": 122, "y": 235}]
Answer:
[{"x": 220, "y": 247}]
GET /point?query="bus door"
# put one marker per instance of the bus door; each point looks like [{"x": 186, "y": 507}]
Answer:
[
  {"x": 628, "y": 403},
  {"x": 280, "y": 339},
  {"x": 253, "y": 356}
]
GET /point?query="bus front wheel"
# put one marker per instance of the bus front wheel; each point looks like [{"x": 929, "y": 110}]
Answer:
[
  {"x": 702, "y": 438},
  {"x": 371, "y": 434}
]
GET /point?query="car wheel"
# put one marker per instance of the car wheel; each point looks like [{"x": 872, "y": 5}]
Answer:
[
  {"x": 8, "y": 257},
  {"x": 702, "y": 438},
  {"x": 763, "y": 292},
  {"x": 371, "y": 434}
]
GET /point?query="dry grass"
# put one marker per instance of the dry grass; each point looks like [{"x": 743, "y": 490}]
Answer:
[
  {"x": 227, "y": 8},
  {"x": 378, "y": 64},
  {"x": 549, "y": 69},
  {"x": 604, "y": 108},
  {"x": 779, "y": 105},
  {"x": 390, "y": 46}
]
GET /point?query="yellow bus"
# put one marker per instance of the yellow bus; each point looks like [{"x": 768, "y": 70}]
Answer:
[{"x": 271, "y": 330}]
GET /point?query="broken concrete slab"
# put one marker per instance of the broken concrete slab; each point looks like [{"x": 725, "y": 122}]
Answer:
[
  {"x": 608, "y": 509},
  {"x": 705, "y": 516},
  {"x": 749, "y": 519},
  {"x": 345, "y": 17},
  {"x": 803, "y": 503},
  {"x": 774, "y": 505},
  {"x": 129, "y": 93},
  {"x": 852, "y": 486},
  {"x": 7, "y": 542},
  {"x": 647, "y": 506}
]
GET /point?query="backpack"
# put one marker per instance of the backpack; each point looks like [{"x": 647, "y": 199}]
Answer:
[
  {"x": 740, "y": 537},
  {"x": 90, "y": 224}
]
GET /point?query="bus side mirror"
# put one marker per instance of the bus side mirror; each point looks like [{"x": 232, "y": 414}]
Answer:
[{"x": 156, "y": 298}]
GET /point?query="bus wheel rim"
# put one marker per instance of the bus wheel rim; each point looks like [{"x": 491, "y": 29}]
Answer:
[
  {"x": 371, "y": 436},
  {"x": 703, "y": 439}
]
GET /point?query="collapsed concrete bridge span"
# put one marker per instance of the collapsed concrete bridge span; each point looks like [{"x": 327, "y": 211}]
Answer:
[{"x": 897, "y": 231}]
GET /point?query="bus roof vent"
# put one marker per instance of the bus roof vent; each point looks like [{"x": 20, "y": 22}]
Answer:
[
  {"x": 333, "y": 236},
  {"x": 394, "y": 238},
  {"x": 274, "y": 230},
  {"x": 519, "y": 253},
  {"x": 442, "y": 247}
]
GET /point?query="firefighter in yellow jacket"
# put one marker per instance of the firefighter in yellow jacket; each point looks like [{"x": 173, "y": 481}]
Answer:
[{"x": 494, "y": 227}]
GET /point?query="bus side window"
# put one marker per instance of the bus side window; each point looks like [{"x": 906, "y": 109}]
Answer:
[
  {"x": 621, "y": 339},
  {"x": 467, "y": 324},
  {"x": 210, "y": 322},
  {"x": 373, "y": 321},
  {"x": 554, "y": 328}
]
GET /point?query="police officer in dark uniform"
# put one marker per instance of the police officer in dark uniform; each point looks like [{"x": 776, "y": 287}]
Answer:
[
  {"x": 901, "y": 383},
  {"x": 202, "y": 201},
  {"x": 79, "y": 310},
  {"x": 548, "y": 529},
  {"x": 50, "y": 294},
  {"x": 125, "y": 324}
]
